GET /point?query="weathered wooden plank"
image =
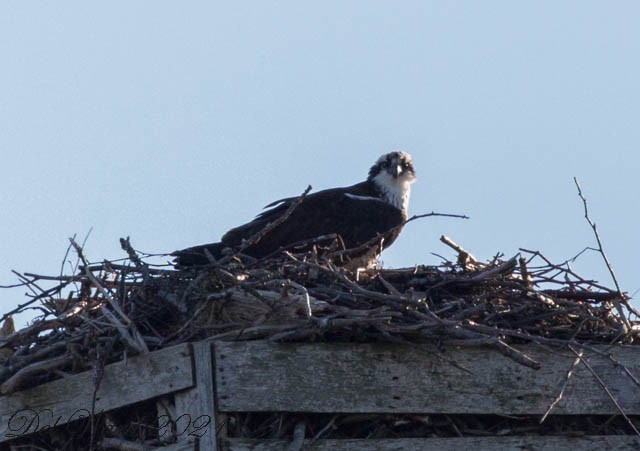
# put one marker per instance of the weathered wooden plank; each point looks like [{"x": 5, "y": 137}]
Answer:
[
  {"x": 195, "y": 408},
  {"x": 259, "y": 376},
  {"x": 529, "y": 443},
  {"x": 64, "y": 400},
  {"x": 180, "y": 446}
]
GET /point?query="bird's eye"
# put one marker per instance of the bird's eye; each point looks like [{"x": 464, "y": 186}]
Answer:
[{"x": 405, "y": 165}]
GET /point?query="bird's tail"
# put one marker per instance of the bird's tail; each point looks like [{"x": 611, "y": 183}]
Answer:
[{"x": 198, "y": 255}]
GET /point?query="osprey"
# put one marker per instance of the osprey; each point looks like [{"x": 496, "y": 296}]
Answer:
[{"x": 358, "y": 214}]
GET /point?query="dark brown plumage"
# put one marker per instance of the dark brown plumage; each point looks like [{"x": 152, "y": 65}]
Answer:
[{"x": 358, "y": 213}]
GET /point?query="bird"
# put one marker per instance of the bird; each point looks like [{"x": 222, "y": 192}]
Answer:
[{"x": 367, "y": 217}]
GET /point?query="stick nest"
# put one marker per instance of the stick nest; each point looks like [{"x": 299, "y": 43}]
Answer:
[
  {"x": 115, "y": 308},
  {"x": 108, "y": 310}
]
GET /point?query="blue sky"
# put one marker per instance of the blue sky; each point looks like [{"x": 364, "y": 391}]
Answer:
[{"x": 171, "y": 122}]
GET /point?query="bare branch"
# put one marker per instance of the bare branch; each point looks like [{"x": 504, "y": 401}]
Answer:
[{"x": 622, "y": 297}]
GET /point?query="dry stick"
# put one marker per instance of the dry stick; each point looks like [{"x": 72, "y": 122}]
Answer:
[
  {"x": 268, "y": 228},
  {"x": 561, "y": 269},
  {"x": 457, "y": 330},
  {"x": 31, "y": 285},
  {"x": 580, "y": 295},
  {"x": 463, "y": 255},
  {"x": 20, "y": 308},
  {"x": 11, "y": 384},
  {"x": 564, "y": 386},
  {"x": 114, "y": 266},
  {"x": 298, "y": 436},
  {"x": 524, "y": 272},
  {"x": 136, "y": 341},
  {"x": 254, "y": 332},
  {"x": 607, "y": 391},
  {"x": 66, "y": 254},
  {"x": 453, "y": 327},
  {"x": 393, "y": 290},
  {"x": 497, "y": 331},
  {"x": 23, "y": 361},
  {"x": 420, "y": 348},
  {"x": 503, "y": 268},
  {"x": 330, "y": 425},
  {"x": 186, "y": 325},
  {"x": 322, "y": 239},
  {"x": 307, "y": 299},
  {"x": 101, "y": 360},
  {"x": 380, "y": 236},
  {"x": 316, "y": 327},
  {"x": 95, "y": 281},
  {"x": 33, "y": 330},
  {"x": 21, "y": 284},
  {"x": 626, "y": 370},
  {"x": 76, "y": 278},
  {"x": 607, "y": 263},
  {"x": 125, "y": 244}
]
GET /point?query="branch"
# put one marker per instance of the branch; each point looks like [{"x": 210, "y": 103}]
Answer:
[
  {"x": 564, "y": 385},
  {"x": 606, "y": 390},
  {"x": 380, "y": 236},
  {"x": 15, "y": 381},
  {"x": 465, "y": 259},
  {"x": 268, "y": 228},
  {"x": 623, "y": 298},
  {"x": 135, "y": 340},
  {"x": 125, "y": 244}
]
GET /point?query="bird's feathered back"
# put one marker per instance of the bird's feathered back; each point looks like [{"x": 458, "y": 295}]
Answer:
[{"x": 357, "y": 214}]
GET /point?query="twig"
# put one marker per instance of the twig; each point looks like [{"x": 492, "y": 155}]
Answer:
[
  {"x": 330, "y": 425},
  {"x": 459, "y": 331},
  {"x": 380, "y": 236},
  {"x": 135, "y": 341},
  {"x": 524, "y": 272},
  {"x": 125, "y": 243},
  {"x": 607, "y": 391},
  {"x": 298, "y": 436},
  {"x": 465, "y": 259},
  {"x": 32, "y": 330},
  {"x": 98, "y": 374},
  {"x": 268, "y": 228},
  {"x": 622, "y": 297},
  {"x": 390, "y": 288},
  {"x": 626, "y": 370},
  {"x": 15, "y": 381},
  {"x": 564, "y": 386}
]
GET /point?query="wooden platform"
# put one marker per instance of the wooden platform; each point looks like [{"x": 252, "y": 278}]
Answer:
[{"x": 200, "y": 382}]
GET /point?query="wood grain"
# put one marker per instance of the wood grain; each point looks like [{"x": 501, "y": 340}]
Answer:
[
  {"x": 62, "y": 401},
  {"x": 197, "y": 404},
  {"x": 258, "y": 376},
  {"x": 528, "y": 443}
]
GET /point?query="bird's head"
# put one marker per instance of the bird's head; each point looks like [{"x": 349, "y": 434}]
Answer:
[
  {"x": 393, "y": 168},
  {"x": 393, "y": 174}
]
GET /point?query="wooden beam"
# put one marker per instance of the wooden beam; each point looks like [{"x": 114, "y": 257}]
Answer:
[
  {"x": 529, "y": 443},
  {"x": 195, "y": 408},
  {"x": 180, "y": 446},
  {"x": 369, "y": 378},
  {"x": 61, "y": 401}
]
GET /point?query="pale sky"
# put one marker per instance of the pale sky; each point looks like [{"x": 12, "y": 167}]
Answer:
[{"x": 171, "y": 122}]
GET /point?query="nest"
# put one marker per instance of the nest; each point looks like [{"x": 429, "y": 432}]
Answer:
[{"x": 107, "y": 310}]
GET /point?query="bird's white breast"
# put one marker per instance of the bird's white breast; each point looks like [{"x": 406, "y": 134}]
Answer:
[{"x": 396, "y": 191}]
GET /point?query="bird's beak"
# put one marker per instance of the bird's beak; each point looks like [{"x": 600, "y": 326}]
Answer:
[{"x": 395, "y": 171}]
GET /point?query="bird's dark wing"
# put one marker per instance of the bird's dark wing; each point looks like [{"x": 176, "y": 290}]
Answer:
[
  {"x": 348, "y": 212},
  {"x": 198, "y": 255}
]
